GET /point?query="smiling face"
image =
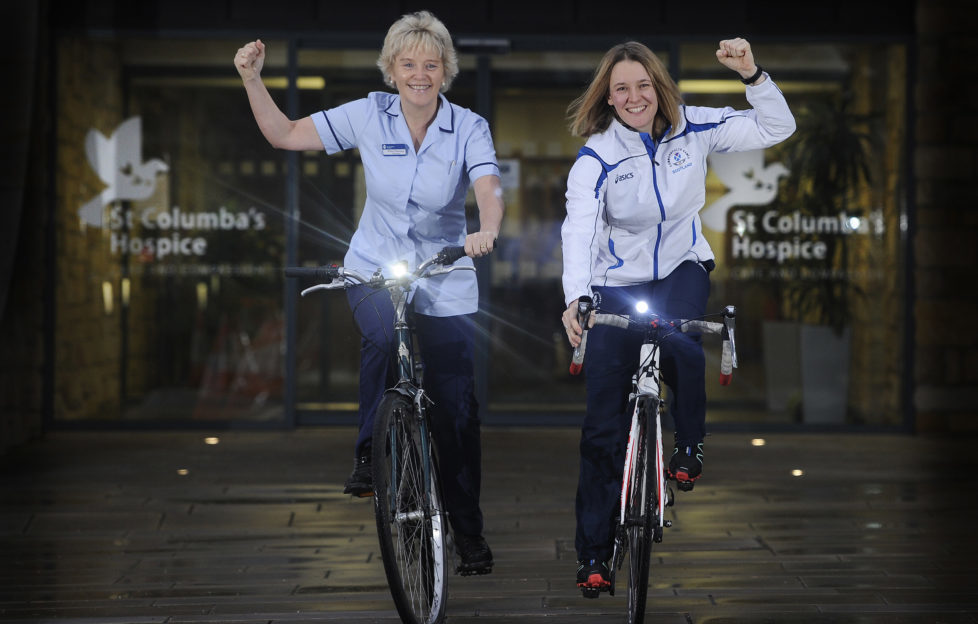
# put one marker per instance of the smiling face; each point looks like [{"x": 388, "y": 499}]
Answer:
[
  {"x": 418, "y": 75},
  {"x": 633, "y": 96}
]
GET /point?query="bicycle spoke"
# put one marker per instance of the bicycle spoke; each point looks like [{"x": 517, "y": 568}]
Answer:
[
  {"x": 639, "y": 515},
  {"x": 409, "y": 517},
  {"x": 410, "y": 524}
]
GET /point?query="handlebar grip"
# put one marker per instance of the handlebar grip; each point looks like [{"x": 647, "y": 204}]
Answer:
[
  {"x": 704, "y": 327},
  {"x": 584, "y": 306},
  {"x": 615, "y": 320},
  {"x": 449, "y": 255},
  {"x": 729, "y": 323},
  {"x": 320, "y": 273},
  {"x": 577, "y": 361},
  {"x": 726, "y": 364}
]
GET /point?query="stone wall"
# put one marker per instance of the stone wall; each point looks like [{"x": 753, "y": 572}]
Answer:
[
  {"x": 944, "y": 245},
  {"x": 87, "y": 335}
]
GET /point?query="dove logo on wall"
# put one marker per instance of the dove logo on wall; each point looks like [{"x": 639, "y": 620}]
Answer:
[
  {"x": 751, "y": 183},
  {"x": 118, "y": 161}
]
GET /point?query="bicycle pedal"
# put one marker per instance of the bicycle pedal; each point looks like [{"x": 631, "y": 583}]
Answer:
[
  {"x": 685, "y": 486},
  {"x": 473, "y": 572},
  {"x": 590, "y": 592}
]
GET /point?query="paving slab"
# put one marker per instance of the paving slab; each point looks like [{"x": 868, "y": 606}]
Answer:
[{"x": 159, "y": 527}]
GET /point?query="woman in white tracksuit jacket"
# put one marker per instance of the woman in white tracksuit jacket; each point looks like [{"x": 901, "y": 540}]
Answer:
[{"x": 633, "y": 233}]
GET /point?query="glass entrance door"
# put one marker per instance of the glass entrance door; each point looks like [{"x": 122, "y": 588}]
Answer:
[{"x": 523, "y": 356}]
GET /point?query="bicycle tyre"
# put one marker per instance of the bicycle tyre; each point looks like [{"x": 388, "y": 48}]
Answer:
[
  {"x": 411, "y": 522},
  {"x": 639, "y": 515}
]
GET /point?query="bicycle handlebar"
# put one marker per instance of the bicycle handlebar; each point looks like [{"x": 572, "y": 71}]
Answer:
[
  {"x": 728, "y": 356},
  {"x": 333, "y": 272},
  {"x": 449, "y": 255},
  {"x": 321, "y": 273}
]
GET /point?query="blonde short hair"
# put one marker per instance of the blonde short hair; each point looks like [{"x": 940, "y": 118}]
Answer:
[
  {"x": 590, "y": 113},
  {"x": 418, "y": 30}
]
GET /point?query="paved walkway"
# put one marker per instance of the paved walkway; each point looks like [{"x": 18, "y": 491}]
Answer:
[{"x": 102, "y": 528}]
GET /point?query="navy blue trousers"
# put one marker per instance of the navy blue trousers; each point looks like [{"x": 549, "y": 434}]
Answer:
[
  {"x": 446, "y": 350},
  {"x": 610, "y": 361}
]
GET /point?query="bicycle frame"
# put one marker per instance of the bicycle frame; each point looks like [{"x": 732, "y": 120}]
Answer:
[
  {"x": 646, "y": 387},
  {"x": 400, "y": 287},
  {"x": 404, "y": 354},
  {"x": 654, "y": 399}
]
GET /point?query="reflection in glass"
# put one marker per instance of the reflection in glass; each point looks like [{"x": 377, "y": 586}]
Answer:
[
  {"x": 195, "y": 256},
  {"x": 814, "y": 267},
  {"x": 170, "y": 304}
]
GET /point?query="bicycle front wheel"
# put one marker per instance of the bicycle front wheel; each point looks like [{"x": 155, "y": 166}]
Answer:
[
  {"x": 411, "y": 523},
  {"x": 639, "y": 514}
]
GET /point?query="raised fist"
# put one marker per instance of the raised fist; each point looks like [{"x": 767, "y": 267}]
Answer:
[
  {"x": 736, "y": 54},
  {"x": 250, "y": 59}
]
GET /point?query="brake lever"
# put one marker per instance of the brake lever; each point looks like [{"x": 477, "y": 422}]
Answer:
[
  {"x": 441, "y": 270},
  {"x": 729, "y": 316}
]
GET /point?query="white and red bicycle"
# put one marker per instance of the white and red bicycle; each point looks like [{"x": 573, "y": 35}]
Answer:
[{"x": 644, "y": 493}]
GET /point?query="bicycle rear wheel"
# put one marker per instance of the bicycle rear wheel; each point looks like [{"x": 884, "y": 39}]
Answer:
[
  {"x": 410, "y": 520},
  {"x": 639, "y": 514}
]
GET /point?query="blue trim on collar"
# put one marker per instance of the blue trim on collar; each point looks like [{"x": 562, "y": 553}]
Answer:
[
  {"x": 444, "y": 104},
  {"x": 698, "y": 127},
  {"x": 451, "y": 112}
]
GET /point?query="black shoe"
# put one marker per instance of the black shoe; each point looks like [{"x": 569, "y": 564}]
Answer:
[
  {"x": 474, "y": 553},
  {"x": 361, "y": 480},
  {"x": 593, "y": 577},
  {"x": 686, "y": 465}
]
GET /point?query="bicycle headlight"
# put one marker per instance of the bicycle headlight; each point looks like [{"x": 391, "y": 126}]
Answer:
[
  {"x": 399, "y": 269},
  {"x": 641, "y": 307}
]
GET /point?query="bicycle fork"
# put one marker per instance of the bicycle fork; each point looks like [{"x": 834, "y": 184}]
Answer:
[
  {"x": 420, "y": 429},
  {"x": 654, "y": 478},
  {"x": 646, "y": 387}
]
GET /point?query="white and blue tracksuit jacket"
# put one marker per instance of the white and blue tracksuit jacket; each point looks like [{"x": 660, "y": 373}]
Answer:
[{"x": 633, "y": 202}]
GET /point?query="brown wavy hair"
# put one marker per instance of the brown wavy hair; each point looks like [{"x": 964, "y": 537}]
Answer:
[{"x": 590, "y": 113}]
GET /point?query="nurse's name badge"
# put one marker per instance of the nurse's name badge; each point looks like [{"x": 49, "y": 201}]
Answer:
[{"x": 393, "y": 149}]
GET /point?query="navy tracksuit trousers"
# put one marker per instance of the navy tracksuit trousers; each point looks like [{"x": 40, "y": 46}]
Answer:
[
  {"x": 610, "y": 361},
  {"x": 446, "y": 350}
]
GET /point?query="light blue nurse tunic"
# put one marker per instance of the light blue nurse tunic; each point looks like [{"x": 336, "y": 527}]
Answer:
[{"x": 415, "y": 200}]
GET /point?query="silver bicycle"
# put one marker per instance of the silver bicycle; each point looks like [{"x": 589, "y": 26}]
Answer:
[{"x": 412, "y": 524}]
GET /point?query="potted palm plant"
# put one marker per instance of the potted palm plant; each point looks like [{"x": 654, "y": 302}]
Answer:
[{"x": 830, "y": 163}]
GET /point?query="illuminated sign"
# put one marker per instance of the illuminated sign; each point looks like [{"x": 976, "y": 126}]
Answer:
[{"x": 118, "y": 161}]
